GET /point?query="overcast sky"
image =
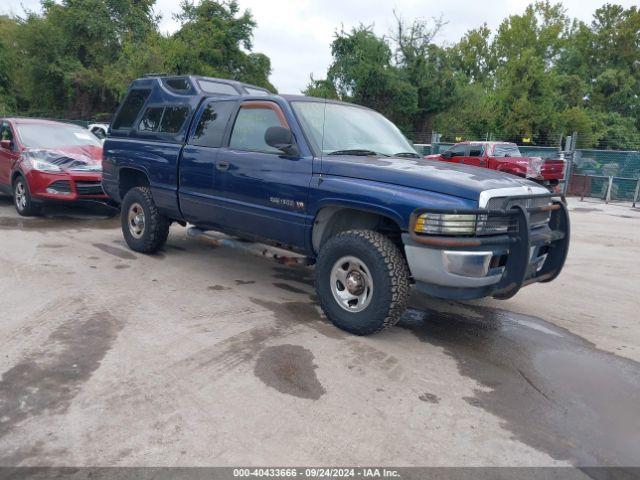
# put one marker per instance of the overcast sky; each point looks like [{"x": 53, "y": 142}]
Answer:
[{"x": 296, "y": 34}]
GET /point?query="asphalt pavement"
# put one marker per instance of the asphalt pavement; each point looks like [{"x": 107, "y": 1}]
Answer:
[{"x": 203, "y": 355}]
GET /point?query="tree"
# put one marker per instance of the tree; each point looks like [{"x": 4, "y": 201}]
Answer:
[
  {"x": 67, "y": 50},
  {"x": 474, "y": 55},
  {"x": 77, "y": 57},
  {"x": 362, "y": 72},
  {"x": 213, "y": 40},
  {"x": 321, "y": 89},
  {"x": 426, "y": 67},
  {"x": 8, "y": 65}
]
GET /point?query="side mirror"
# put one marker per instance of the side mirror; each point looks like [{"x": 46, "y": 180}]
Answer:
[
  {"x": 6, "y": 144},
  {"x": 446, "y": 154},
  {"x": 282, "y": 139}
]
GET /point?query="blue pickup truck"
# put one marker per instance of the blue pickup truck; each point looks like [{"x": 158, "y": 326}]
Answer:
[{"x": 334, "y": 181}]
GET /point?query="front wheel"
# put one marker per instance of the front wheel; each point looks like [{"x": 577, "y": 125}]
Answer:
[
  {"x": 22, "y": 198},
  {"x": 362, "y": 281},
  {"x": 144, "y": 228}
]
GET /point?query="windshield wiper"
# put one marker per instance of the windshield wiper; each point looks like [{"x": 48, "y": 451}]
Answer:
[
  {"x": 360, "y": 152},
  {"x": 406, "y": 155}
]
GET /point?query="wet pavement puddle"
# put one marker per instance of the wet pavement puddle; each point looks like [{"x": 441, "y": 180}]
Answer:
[{"x": 554, "y": 390}]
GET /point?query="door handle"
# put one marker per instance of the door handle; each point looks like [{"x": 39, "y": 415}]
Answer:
[{"x": 222, "y": 165}]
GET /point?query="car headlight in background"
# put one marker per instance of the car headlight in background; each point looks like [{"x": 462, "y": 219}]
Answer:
[
  {"x": 461, "y": 224},
  {"x": 44, "y": 166},
  {"x": 41, "y": 161}
]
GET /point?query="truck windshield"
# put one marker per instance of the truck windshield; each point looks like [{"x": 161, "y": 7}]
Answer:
[
  {"x": 350, "y": 130},
  {"x": 506, "y": 150},
  {"x": 45, "y": 135}
]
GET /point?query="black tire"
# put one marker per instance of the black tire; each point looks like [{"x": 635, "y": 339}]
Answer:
[
  {"x": 155, "y": 226},
  {"x": 389, "y": 274},
  {"x": 22, "y": 199}
]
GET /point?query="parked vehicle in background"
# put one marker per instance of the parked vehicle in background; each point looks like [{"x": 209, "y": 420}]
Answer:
[
  {"x": 100, "y": 130},
  {"x": 334, "y": 181},
  {"x": 505, "y": 157},
  {"x": 43, "y": 161}
]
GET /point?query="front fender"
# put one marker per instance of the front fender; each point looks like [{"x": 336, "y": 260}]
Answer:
[{"x": 368, "y": 207}]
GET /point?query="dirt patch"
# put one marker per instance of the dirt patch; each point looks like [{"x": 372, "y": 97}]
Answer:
[
  {"x": 48, "y": 380},
  {"x": 429, "y": 398},
  {"x": 289, "y": 288},
  {"x": 291, "y": 314},
  {"x": 290, "y": 370},
  {"x": 585, "y": 209},
  {"x": 218, "y": 288},
  {"x": 244, "y": 282},
  {"x": 57, "y": 223},
  {"x": 294, "y": 274},
  {"x": 115, "y": 251}
]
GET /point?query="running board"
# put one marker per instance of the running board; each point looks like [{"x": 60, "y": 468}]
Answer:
[{"x": 279, "y": 255}]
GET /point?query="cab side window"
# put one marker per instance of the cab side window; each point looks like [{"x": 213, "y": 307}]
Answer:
[
  {"x": 250, "y": 126},
  {"x": 151, "y": 119},
  {"x": 458, "y": 151},
  {"x": 163, "y": 119},
  {"x": 173, "y": 119},
  {"x": 130, "y": 109},
  {"x": 212, "y": 124},
  {"x": 476, "y": 151}
]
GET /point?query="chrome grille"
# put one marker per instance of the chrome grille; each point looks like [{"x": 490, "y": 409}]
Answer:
[{"x": 537, "y": 219}]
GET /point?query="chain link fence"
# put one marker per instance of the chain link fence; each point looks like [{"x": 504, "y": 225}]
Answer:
[{"x": 611, "y": 175}]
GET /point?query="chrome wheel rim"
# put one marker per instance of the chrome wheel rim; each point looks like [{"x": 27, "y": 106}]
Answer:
[
  {"x": 136, "y": 220},
  {"x": 351, "y": 284},
  {"x": 21, "y": 196}
]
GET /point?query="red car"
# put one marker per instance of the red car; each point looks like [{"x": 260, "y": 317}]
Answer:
[
  {"x": 505, "y": 157},
  {"x": 42, "y": 161}
]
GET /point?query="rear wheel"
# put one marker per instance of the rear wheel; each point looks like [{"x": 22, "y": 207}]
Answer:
[
  {"x": 362, "y": 281},
  {"x": 144, "y": 228},
  {"x": 22, "y": 198}
]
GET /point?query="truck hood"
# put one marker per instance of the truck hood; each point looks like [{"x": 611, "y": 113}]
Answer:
[{"x": 447, "y": 178}]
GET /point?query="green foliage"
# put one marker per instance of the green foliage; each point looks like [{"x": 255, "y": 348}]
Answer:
[
  {"x": 363, "y": 73},
  {"x": 8, "y": 63},
  {"x": 78, "y": 57},
  {"x": 539, "y": 75},
  {"x": 212, "y": 41},
  {"x": 321, "y": 89}
]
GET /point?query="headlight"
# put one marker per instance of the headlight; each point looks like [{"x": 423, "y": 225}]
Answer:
[
  {"x": 44, "y": 166},
  {"x": 446, "y": 224},
  {"x": 461, "y": 224},
  {"x": 41, "y": 160}
]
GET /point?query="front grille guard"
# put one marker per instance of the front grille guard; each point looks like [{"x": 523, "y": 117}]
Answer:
[{"x": 519, "y": 240}]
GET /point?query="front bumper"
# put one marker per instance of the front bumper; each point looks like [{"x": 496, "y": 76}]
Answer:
[
  {"x": 65, "y": 187},
  {"x": 496, "y": 265}
]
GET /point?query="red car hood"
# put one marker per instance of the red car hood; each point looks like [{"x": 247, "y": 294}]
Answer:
[
  {"x": 90, "y": 153},
  {"x": 76, "y": 158}
]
